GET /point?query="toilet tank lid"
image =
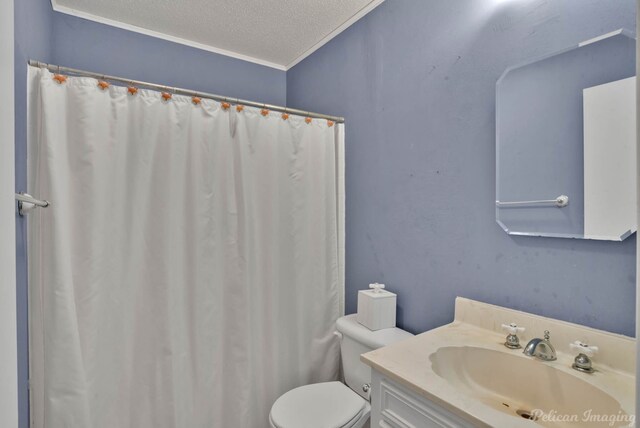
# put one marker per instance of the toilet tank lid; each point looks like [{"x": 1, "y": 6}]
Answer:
[{"x": 349, "y": 326}]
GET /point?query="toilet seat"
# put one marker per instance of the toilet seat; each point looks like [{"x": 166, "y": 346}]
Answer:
[{"x": 320, "y": 405}]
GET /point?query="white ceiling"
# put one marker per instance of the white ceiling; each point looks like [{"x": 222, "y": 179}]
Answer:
[{"x": 276, "y": 33}]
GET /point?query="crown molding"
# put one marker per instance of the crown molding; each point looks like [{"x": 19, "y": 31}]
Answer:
[
  {"x": 113, "y": 23},
  {"x": 348, "y": 23},
  {"x": 210, "y": 48}
]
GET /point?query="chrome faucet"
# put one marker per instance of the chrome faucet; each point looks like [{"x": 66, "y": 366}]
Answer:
[{"x": 542, "y": 349}]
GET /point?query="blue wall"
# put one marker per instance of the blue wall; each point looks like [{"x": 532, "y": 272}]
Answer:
[
  {"x": 87, "y": 45},
  {"x": 44, "y": 35},
  {"x": 33, "y": 29},
  {"x": 416, "y": 83}
]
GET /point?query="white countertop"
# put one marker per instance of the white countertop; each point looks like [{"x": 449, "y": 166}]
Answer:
[{"x": 408, "y": 362}]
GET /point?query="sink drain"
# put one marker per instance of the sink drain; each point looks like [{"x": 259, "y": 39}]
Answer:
[{"x": 526, "y": 415}]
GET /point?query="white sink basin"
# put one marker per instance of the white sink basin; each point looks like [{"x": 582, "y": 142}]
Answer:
[{"x": 527, "y": 388}]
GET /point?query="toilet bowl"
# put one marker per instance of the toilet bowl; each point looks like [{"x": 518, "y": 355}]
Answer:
[
  {"x": 327, "y": 404},
  {"x": 337, "y": 404}
]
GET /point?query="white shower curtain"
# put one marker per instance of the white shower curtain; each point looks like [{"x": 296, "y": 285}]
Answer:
[{"x": 189, "y": 269}]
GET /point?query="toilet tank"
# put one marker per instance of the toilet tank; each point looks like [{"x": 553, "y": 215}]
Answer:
[{"x": 357, "y": 340}]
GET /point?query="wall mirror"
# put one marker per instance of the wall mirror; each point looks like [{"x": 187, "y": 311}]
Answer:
[{"x": 565, "y": 142}]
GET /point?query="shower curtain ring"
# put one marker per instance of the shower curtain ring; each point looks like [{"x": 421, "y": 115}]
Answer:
[{"x": 195, "y": 99}]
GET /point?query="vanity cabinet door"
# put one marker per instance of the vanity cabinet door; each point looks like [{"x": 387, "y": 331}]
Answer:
[{"x": 394, "y": 406}]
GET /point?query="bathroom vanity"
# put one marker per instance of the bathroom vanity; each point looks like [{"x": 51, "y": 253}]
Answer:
[{"x": 463, "y": 375}]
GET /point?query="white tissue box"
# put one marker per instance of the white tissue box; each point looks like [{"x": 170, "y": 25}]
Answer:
[{"x": 376, "y": 310}]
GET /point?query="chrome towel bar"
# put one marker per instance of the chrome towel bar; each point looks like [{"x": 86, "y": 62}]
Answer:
[{"x": 560, "y": 202}]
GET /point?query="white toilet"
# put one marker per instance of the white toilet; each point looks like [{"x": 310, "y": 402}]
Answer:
[{"x": 334, "y": 404}]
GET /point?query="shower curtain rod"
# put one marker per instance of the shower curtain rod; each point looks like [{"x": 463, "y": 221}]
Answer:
[
  {"x": 180, "y": 91},
  {"x": 22, "y": 197}
]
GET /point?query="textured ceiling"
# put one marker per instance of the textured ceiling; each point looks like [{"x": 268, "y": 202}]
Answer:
[{"x": 275, "y": 32}]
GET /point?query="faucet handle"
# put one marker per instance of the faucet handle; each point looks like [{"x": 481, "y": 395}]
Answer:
[
  {"x": 512, "y": 341},
  {"x": 512, "y": 328},
  {"x": 584, "y": 348},
  {"x": 582, "y": 362}
]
